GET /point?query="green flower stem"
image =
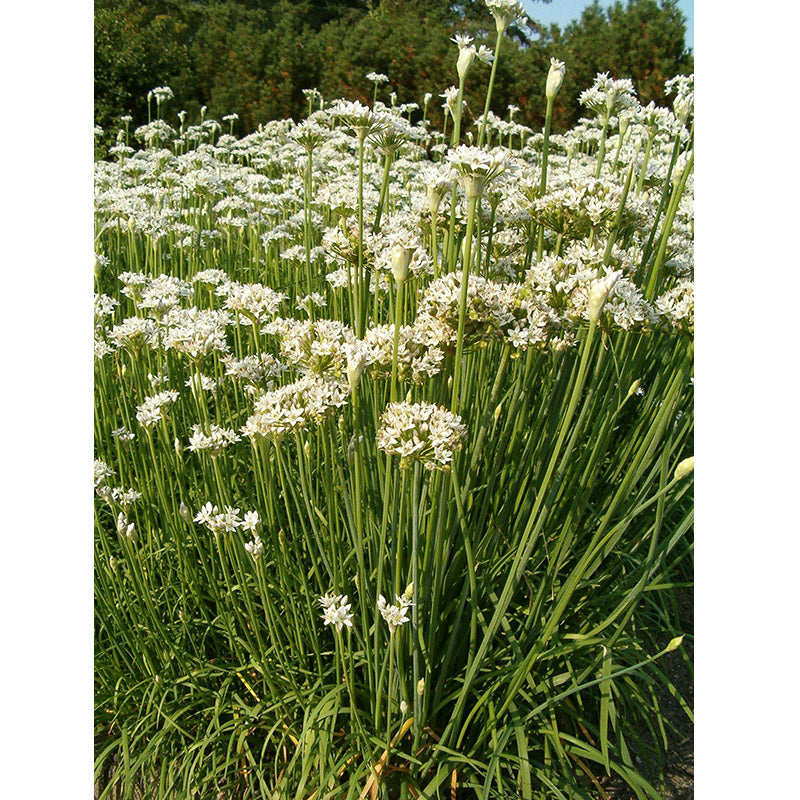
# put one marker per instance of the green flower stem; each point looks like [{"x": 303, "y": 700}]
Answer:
[
  {"x": 482, "y": 132},
  {"x": 398, "y": 320},
  {"x": 307, "y": 225},
  {"x": 655, "y": 272},
  {"x": 360, "y": 322},
  {"x": 543, "y": 182},
  {"x": 384, "y": 195},
  {"x": 456, "y": 137},
  {"x": 620, "y": 211},
  {"x": 665, "y": 195},
  {"x": 416, "y": 633},
  {"x": 462, "y": 311},
  {"x": 640, "y": 182},
  {"x": 601, "y": 152}
]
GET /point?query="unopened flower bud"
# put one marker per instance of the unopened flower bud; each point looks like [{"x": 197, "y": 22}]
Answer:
[
  {"x": 403, "y": 707},
  {"x": 178, "y": 447},
  {"x": 434, "y": 198},
  {"x": 466, "y": 55},
  {"x": 598, "y": 294},
  {"x": 635, "y": 386},
  {"x": 307, "y": 449},
  {"x": 401, "y": 259},
  {"x": 186, "y": 515},
  {"x": 686, "y": 467},
  {"x": 554, "y": 78},
  {"x": 674, "y": 644},
  {"x": 356, "y": 364},
  {"x": 409, "y": 592},
  {"x": 421, "y": 687}
]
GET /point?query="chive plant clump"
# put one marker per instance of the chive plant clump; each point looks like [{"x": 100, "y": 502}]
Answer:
[{"x": 393, "y": 443}]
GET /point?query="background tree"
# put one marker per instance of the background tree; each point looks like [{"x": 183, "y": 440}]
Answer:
[{"x": 254, "y": 57}]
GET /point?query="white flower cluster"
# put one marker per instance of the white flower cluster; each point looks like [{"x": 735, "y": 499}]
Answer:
[
  {"x": 420, "y": 349},
  {"x": 318, "y": 348},
  {"x": 506, "y": 12},
  {"x": 227, "y": 520},
  {"x": 608, "y": 96},
  {"x": 196, "y": 332},
  {"x": 336, "y": 611},
  {"x": 152, "y": 409},
  {"x": 677, "y": 305},
  {"x": 134, "y": 333},
  {"x": 254, "y": 300},
  {"x": 159, "y": 294},
  {"x": 474, "y": 167},
  {"x": 397, "y": 614},
  {"x": 255, "y": 369},
  {"x": 683, "y": 104},
  {"x": 212, "y": 442},
  {"x": 294, "y": 407},
  {"x": 125, "y": 497},
  {"x": 101, "y": 472},
  {"x": 421, "y": 432},
  {"x": 495, "y": 311}
]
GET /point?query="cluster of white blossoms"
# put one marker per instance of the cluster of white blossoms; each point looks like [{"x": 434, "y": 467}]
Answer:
[
  {"x": 474, "y": 167},
  {"x": 134, "y": 333},
  {"x": 317, "y": 348},
  {"x": 101, "y": 472},
  {"x": 196, "y": 332},
  {"x": 421, "y": 432},
  {"x": 567, "y": 281},
  {"x": 125, "y": 497},
  {"x": 420, "y": 349},
  {"x": 495, "y": 311},
  {"x": 683, "y": 104},
  {"x": 607, "y": 96},
  {"x": 254, "y": 300},
  {"x": 294, "y": 407},
  {"x": 227, "y": 520},
  {"x": 397, "y": 614},
  {"x": 152, "y": 409},
  {"x": 336, "y": 611},
  {"x": 255, "y": 369},
  {"x": 467, "y": 53},
  {"x": 212, "y": 442},
  {"x": 677, "y": 305},
  {"x": 506, "y": 12}
]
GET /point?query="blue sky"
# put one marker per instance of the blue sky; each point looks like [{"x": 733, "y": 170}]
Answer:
[{"x": 564, "y": 11}]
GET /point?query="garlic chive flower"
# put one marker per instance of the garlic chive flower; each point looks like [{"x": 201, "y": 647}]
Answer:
[
  {"x": 475, "y": 167},
  {"x": 377, "y": 77},
  {"x": 421, "y": 432},
  {"x": 212, "y": 442},
  {"x": 396, "y": 615},
  {"x": 467, "y": 52},
  {"x": 336, "y": 611},
  {"x": 505, "y": 13},
  {"x": 255, "y": 548},
  {"x": 607, "y": 96}
]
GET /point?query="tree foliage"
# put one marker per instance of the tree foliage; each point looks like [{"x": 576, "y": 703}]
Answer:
[{"x": 254, "y": 57}]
